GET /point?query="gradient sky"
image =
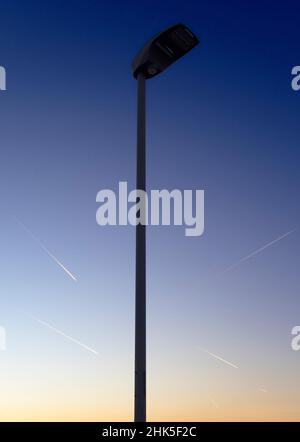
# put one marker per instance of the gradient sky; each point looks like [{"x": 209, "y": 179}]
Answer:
[{"x": 223, "y": 119}]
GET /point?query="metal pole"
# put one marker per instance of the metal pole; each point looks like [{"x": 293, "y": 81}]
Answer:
[{"x": 140, "y": 269}]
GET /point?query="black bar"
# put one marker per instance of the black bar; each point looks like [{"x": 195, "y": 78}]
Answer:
[{"x": 102, "y": 431}]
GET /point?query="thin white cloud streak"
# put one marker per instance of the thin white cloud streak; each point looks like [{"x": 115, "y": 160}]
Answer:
[
  {"x": 263, "y": 390},
  {"x": 59, "y": 263},
  {"x": 255, "y": 252},
  {"x": 56, "y": 330},
  {"x": 218, "y": 357},
  {"x": 213, "y": 402}
]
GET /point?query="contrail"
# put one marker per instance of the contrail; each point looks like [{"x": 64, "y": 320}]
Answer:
[
  {"x": 263, "y": 390},
  {"x": 255, "y": 252},
  {"x": 218, "y": 357},
  {"x": 60, "y": 264},
  {"x": 64, "y": 334},
  {"x": 213, "y": 402}
]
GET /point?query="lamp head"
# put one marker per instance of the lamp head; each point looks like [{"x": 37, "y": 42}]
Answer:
[{"x": 163, "y": 50}]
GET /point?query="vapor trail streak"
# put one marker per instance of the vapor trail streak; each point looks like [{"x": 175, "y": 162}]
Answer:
[
  {"x": 263, "y": 390},
  {"x": 219, "y": 358},
  {"x": 255, "y": 252},
  {"x": 64, "y": 335},
  {"x": 59, "y": 263},
  {"x": 213, "y": 402}
]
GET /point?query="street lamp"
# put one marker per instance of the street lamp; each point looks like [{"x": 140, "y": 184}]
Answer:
[{"x": 159, "y": 53}]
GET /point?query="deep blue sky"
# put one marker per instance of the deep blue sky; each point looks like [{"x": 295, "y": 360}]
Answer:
[{"x": 223, "y": 119}]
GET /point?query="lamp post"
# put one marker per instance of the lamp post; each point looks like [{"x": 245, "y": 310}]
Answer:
[{"x": 159, "y": 53}]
